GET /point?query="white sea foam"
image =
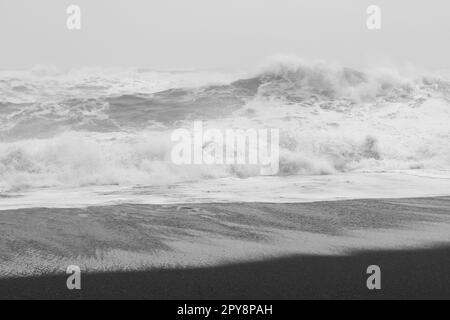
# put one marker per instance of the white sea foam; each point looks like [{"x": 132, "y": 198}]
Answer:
[
  {"x": 292, "y": 189},
  {"x": 82, "y": 128}
]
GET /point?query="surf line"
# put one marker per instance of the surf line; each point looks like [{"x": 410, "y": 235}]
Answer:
[{"x": 230, "y": 146}]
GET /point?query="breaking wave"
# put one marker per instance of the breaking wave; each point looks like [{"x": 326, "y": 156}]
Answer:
[{"x": 92, "y": 127}]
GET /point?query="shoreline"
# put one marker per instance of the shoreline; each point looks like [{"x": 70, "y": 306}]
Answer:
[{"x": 268, "y": 189}]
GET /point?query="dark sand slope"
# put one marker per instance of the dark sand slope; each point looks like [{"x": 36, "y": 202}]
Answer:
[
  {"x": 413, "y": 274},
  {"x": 200, "y": 251}
]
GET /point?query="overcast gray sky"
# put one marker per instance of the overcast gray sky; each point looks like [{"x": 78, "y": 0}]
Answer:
[{"x": 222, "y": 34}]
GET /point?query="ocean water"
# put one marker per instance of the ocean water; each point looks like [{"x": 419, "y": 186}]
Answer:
[{"x": 71, "y": 138}]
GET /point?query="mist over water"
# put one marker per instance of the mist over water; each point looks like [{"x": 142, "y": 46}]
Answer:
[{"x": 91, "y": 127}]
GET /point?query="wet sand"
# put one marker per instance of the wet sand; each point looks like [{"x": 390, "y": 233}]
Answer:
[{"x": 229, "y": 251}]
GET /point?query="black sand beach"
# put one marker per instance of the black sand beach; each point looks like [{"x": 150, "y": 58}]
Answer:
[
  {"x": 406, "y": 274},
  {"x": 324, "y": 254}
]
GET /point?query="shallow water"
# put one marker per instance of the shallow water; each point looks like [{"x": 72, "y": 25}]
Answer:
[{"x": 292, "y": 189}]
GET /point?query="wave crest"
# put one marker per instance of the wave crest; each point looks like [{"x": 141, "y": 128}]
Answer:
[{"x": 296, "y": 79}]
